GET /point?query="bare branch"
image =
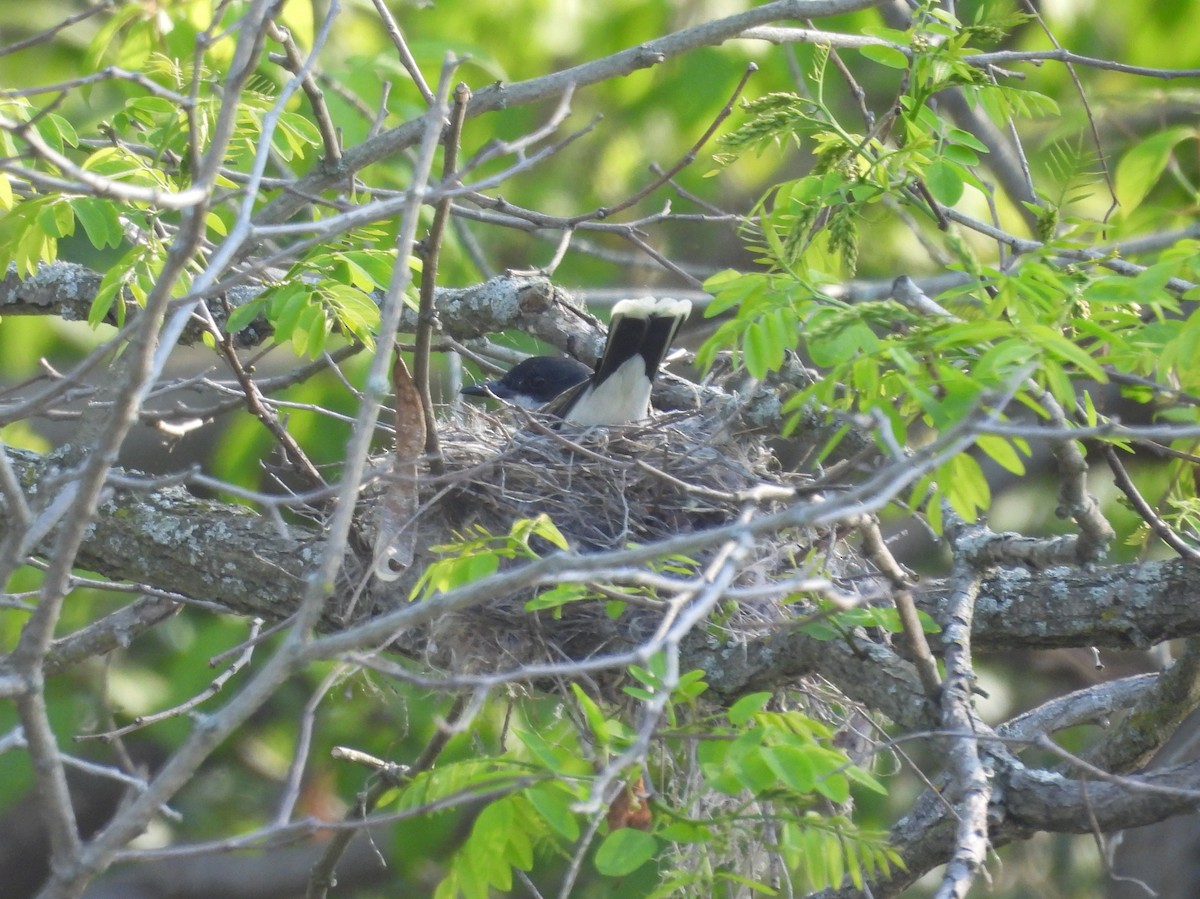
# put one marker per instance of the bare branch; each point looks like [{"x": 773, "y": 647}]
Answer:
[
  {"x": 877, "y": 551},
  {"x": 521, "y": 93},
  {"x": 430, "y": 250}
]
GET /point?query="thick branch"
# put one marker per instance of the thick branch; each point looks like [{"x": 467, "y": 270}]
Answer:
[
  {"x": 1027, "y": 801},
  {"x": 208, "y": 551},
  {"x": 1131, "y": 606},
  {"x": 530, "y": 303},
  {"x": 216, "y": 553}
]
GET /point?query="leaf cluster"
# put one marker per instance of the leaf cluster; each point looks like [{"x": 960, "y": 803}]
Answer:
[
  {"x": 779, "y": 769},
  {"x": 1036, "y": 334}
]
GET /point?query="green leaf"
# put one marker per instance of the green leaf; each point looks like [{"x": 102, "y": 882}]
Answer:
[
  {"x": 1054, "y": 343},
  {"x": 965, "y": 487},
  {"x": 961, "y": 155},
  {"x": 354, "y": 312},
  {"x": 944, "y": 182},
  {"x": 691, "y": 684},
  {"x": 57, "y": 219},
  {"x": 376, "y": 265},
  {"x": 1142, "y": 166},
  {"x": 449, "y": 888},
  {"x": 112, "y": 285},
  {"x": 646, "y": 677},
  {"x": 856, "y": 873},
  {"x": 753, "y": 769},
  {"x": 729, "y": 288},
  {"x": 214, "y": 223},
  {"x": 835, "y": 859},
  {"x": 794, "y": 766},
  {"x": 1006, "y": 357},
  {"x": 595, "y": 718},
  {"x": 544, "y": 527},
  {"x": 1058, "y": 382},
  {"x": 864, "y": 778},
  {"x": 1002, "y": 453},
  {"x": 100, "y": 221},
  {"x": 58, "y": 132},
  {"x": 816, "y": 862},
  {"x": 966, "y": 139},
  {"x": 243, "y": 315},
  {"x": 782, "y": 326},
  {"x": 747, "y": 707},
  {"x": 638, "y": 693},
  {"x": 822, "y": 630},
  {"x": 624, "y": 851},
  {"x": 758, "y": 887},
  {"x": 490, "y": 835},
  {"x": 106, "y": 295},
  {"x": 476, "y": 567},
  {"x": 843, "y": 344},
  {"x": 295, "y": 135},
  {"x": 468, "y": 563},
  {"x": 551, "y": 755},
  {"x": 685, "y": 832},
  {"x": 885, "y": 55},
  {"x": 554, "y": 805},
  {"x": 307, "y": 337},
  {"x": 285, "y": 307},
  {"x": 834, "y": 787},
  {"x": 557, "y": 596},
  {"x": 358, "y": 276}
]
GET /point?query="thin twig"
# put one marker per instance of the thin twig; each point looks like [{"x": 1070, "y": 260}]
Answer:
[
  {"x": 406, "y": 57},
  {"x": 876, "y": 549},
  {"x": 295, "y": 776},
  {"x": 42, "y": 36},
  {"x": 256, "y": 403},
  {"x": 293, "y": 61},
  {"x": 687, "y": 159},
  {"x": 322, "y": 877},
  {"x": 1162, "y": 530},
  {"x": 430, "y": 253},
  {"x": 214, "y": 687},
  {"x": 1074, "y": 500}
]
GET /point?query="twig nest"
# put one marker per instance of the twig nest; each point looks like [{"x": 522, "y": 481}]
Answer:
[
  {"x": 604, "y": 489},
  {"x": 607, "y": 487}
]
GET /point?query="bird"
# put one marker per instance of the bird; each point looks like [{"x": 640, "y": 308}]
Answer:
[
  {"x": 533, "y": 382},
  {"x": 639, "y": 335}
]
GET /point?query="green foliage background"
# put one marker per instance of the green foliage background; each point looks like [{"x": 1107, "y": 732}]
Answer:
[{"x": 650, "y": 116}]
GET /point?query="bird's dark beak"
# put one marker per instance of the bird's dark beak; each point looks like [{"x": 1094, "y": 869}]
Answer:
[{"x": 487, "y": 389}]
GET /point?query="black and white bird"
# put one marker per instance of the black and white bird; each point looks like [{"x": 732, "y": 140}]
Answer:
[{"x": 618, "y": 391}]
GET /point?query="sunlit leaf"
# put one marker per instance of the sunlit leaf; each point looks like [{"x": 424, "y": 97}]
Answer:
[
  {"x": 885, "y": 55},
  {"x": 746, "y": 707},
  {"x": 944, "y": 181},
  {"x": 624, "y": 851},
  {"x": 1142, "y": 165}
]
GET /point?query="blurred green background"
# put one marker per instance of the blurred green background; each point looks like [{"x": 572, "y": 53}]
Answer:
[{"x": 650, "y": 117}]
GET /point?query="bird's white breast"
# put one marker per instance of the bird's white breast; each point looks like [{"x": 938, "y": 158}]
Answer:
[{"x": 624, "y": 396}]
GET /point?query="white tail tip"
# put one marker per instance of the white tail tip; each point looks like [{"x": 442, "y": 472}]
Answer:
[{"x": 645, "y": 307}]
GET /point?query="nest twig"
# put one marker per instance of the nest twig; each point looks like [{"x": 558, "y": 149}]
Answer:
[{"x": 604, "y": 489}]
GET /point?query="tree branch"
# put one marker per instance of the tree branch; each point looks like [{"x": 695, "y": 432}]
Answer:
[
  {"x": 503, "y": 96},
  {"x": 1030, "y": 800}
]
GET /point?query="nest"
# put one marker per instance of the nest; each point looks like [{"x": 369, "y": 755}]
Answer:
[
  {"x": 604, "y": 489},
  {"x": 608, "y": 487}
]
